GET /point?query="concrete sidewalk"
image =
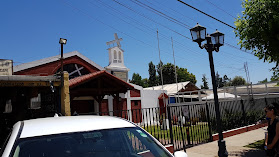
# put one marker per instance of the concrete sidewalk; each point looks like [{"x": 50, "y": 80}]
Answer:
[{"x": 235, "y": 145}]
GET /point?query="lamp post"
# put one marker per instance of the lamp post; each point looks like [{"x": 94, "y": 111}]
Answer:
[
  {"x": 213, "y": 42},
  {"x": 62, "y": 42}
]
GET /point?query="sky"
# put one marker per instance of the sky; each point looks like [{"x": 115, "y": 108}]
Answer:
[{"x": 30, "y": 30}]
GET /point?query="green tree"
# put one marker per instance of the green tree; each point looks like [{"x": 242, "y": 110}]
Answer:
[
  {"x": 258, "y": 28},
  {"x": 204, "y": 81},
  {"x": 263, "y": 81},
  {"x": 238, "y": 80},
  {"x": 219, "y": 81},
  {"x": 153, "y": 80},
  {"x": 226, "y": 81},
  {"x": 168, "y": 72},
  {"x": 158, "y": 69},
  {"x": 183, "y": 75},
  {"x": 145, "y": 83},
  {"x": 136, "y": 79},
  {"x": 275, "y": 76}
]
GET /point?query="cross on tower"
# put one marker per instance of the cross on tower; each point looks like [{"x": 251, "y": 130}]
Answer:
[{"x": 117, "y": 40}]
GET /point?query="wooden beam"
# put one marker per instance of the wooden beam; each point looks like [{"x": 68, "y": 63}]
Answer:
[
  {"x": 27, "y": 84},
  {"x": 100, "y": 91}
]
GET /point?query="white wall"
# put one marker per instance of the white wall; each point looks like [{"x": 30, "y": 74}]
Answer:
[
  {"x": 150, "y": 98},
  {"x": 110, "y": 104}
]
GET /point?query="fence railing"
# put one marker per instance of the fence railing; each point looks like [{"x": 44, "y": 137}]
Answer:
[
  {"x": 235, "y": 114},
  {"x": 186, "y": 125}
]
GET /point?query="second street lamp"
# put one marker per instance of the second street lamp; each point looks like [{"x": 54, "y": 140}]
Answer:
[
  {"x": 62, "y": 42},
  {"x": 213, "y": 42}
]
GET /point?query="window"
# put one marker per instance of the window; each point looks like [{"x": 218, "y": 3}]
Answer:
[
  {"x": 74, "y": 70},
  {"x": 35, "y": 103},
  {"x": 121, "y": 142},
  {"x": 119, "y": 57},
  {"x": 8, "y": 107},
  {"x": 114, "y": 57}
]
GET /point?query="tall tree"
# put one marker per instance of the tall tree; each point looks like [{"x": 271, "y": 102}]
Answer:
[
  {"x": 153, "y": 80},
  {"x": 258, "y": 28},
  {"x": 145, "y": 82},
  {"x": 238, "y": 80},
  {"x": 183, "y": 75},
  {"x": 158, "y": 68},
  {"x": 275, "y": 76},
  {"x": 219, "y": 81},
  {"x": 136, "y": 79},
  {"x": 264, "y": 81},
  {"x": 226, "y": 81},
  {"x": 204, "y": 81},
  {"x": 168, "y": 72}
]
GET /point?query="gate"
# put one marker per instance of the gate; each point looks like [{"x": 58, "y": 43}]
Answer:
[
  {"x": 189, "y": 125},
  {"x": 180, "y": 126}
]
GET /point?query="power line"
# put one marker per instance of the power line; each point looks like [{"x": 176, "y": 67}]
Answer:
[
  {"x": 161, "y": 13},
  {"x": 205, "y": 14},
  {"x": 129, "y": 35},
  {"x": 155, "y": 22},
  {"x": 119, "y": 12},
  {"x": 238, "y": 48},
  {"x": 177, "y": 22},
  {"x": 136, "y": 27},
  {"x": 220, "y": 8},
  {"x": 150, "y": 19},
  {"x": 171, "y": 10},
  {"x": 86, "y": 14}
]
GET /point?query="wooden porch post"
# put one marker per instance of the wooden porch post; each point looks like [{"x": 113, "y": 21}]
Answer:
[
  {"x": 65, "y": 95},
  {"x": 99, "y": 99}
]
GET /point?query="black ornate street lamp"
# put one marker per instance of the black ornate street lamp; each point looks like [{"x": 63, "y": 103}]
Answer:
[{"x": 213, "y": 42}]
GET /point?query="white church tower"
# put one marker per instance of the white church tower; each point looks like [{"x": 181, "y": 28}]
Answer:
[{"x": 116, "y": 60}]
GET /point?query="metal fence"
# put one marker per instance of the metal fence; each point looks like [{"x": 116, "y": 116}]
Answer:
[
  {"x": 190, "y": 124},
  {"x": 239, "y": 113}
]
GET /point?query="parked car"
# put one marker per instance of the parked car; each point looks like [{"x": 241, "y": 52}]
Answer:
[{"x": 82, "y": 136}]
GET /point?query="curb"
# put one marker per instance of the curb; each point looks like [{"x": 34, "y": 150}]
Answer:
[{"x": 239, "y": 130}]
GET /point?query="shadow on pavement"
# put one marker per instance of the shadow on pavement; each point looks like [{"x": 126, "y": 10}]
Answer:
[
  {"x": 249, "y": 153},
  {"x": 254, "y": 153}
]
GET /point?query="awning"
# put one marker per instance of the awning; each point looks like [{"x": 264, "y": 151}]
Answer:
[{"x": 100, "y": 83}]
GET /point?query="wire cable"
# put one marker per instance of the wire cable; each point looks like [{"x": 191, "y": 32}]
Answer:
[
  {"x": 205, "y": 14},
  {"x": 220, "y": 8}
]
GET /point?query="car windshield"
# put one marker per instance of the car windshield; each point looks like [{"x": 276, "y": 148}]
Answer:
[{"x": 123, "y": 142}]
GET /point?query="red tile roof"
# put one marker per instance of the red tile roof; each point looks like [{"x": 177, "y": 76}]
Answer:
[{"x": 85, "y": 78}]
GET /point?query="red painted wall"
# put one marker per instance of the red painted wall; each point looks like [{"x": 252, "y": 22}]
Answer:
[
  {"x": 135, "y": 93},
  {"x": 136, "y": 111},
  {"x": 162, "y": 106},
  {"x": 120, "y": 109},
  {"x": 104, "y": 107},
  {"x": 51, "y": 68}
]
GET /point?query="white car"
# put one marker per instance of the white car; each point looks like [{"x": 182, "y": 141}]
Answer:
[{"x": 82, "y": 136}]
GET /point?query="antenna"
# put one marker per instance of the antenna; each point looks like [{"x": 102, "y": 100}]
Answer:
[
  {"x": 161, "y": 70},
  {"x": 174, "y": 68}
]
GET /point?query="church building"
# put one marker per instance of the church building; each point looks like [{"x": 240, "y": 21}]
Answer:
[{"x": 93, "y": 89}]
